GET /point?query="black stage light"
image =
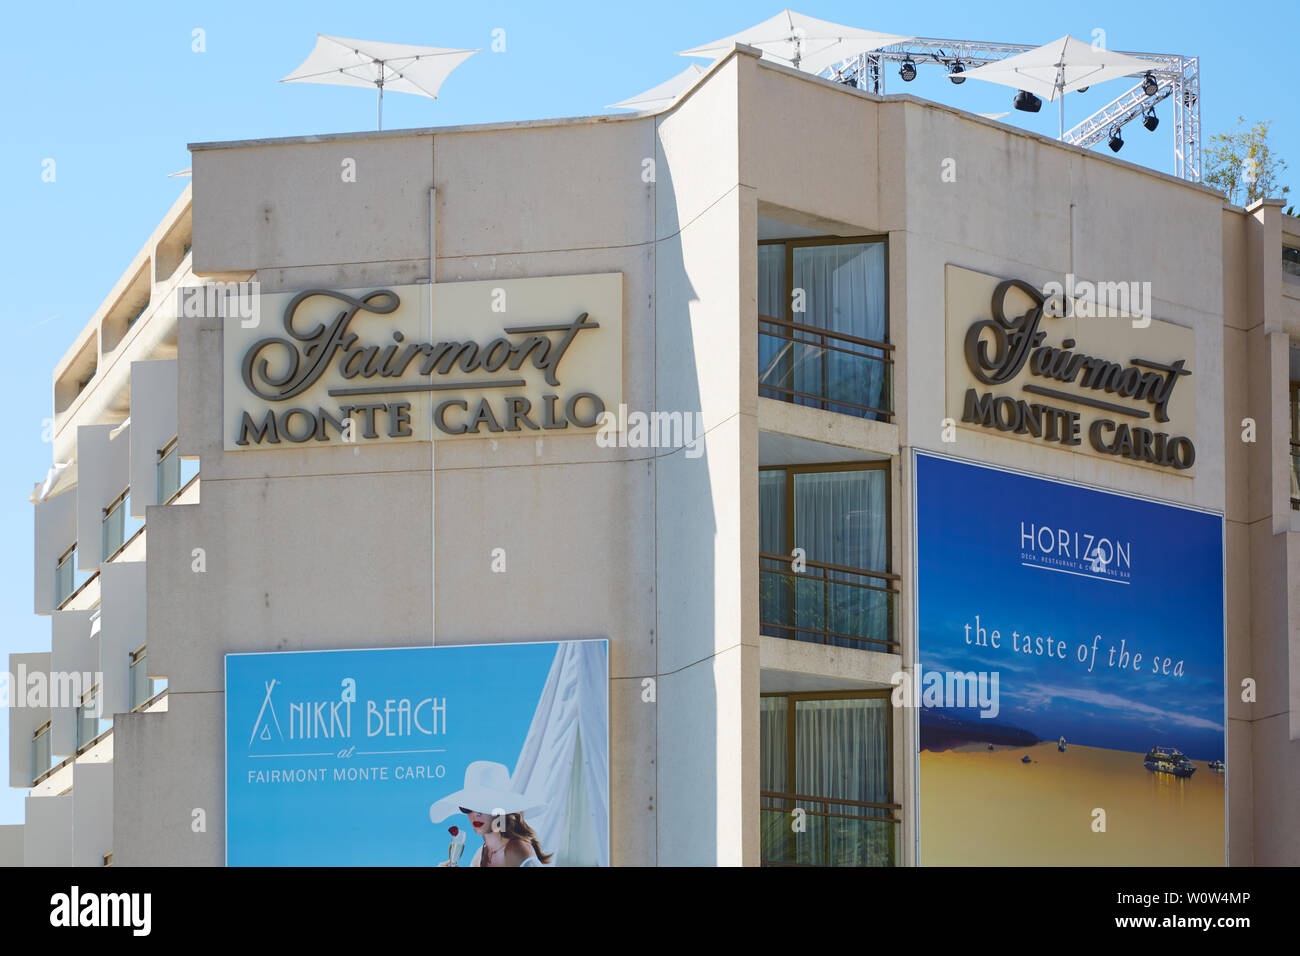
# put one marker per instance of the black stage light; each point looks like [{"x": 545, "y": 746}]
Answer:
[
  {"x": 1116, "y": 141},
  {"x": 907, "y": 71},
  {"x": 1149, "y": 85},
  {"x": 1151, "y": 121},
  {"x": 1027, "y": 102},
  {"x": 956, "y": 74}
]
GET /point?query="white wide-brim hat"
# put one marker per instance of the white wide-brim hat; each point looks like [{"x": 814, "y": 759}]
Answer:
[{"x": 487, "y": 790}]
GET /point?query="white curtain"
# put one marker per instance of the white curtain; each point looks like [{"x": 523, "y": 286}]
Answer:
[
  {"x": 844, "y": 291},
  {"x": 842, "y": 751},
  {"x": 565, "y": 758},
  {"x": 840, "y": 518},
  {"x": 773, "y": 351}
]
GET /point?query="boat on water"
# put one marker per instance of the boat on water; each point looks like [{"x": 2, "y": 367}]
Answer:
[
  {"x": 1060, "y": 745},
  {"x": 1216, "y": 766},
  {"x": 1168, "y": 760}
]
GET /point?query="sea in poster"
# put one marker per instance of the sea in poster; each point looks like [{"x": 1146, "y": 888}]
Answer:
[
  {"x": 366, "y": 757},
  {"x": 1100, "y": 618}
]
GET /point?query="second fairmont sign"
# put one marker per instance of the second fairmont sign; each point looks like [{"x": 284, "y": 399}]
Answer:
[
  {"x": 492, "y": 358},
  {"x": 1098, "y": 385}
]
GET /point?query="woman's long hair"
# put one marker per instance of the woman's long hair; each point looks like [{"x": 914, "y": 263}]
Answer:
[{"x": 516, "y": 829}]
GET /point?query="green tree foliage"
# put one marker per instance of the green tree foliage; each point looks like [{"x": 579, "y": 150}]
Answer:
[{"x": 1242, "y": 164}]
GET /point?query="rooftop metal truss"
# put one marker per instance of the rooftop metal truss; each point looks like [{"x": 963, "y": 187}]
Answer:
[{"x": 1176, "y": 76}]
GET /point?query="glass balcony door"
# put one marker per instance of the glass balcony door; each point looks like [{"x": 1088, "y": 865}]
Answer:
[
  {"x": 823, "y": 325},
  {"x": 839, "y": 590},
  {"x": 826, "y": 770}
]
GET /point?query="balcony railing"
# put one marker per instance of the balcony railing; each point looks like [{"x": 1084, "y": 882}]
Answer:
[
  {"x": 828, "y": 370},
  {"x": 834, "y": 832},
  {"x": 828, "y": 604}
]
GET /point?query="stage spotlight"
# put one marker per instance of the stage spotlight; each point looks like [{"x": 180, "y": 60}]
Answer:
[
  {"x": 1027, "y": 102},
  {"x": 1151, "y": 121},
  {"x": 1116, "y": 141},
  {"x": 956, "y": 74},
  {"x": 907, "y": 71},
  {"x": 1149, "y": 85}
]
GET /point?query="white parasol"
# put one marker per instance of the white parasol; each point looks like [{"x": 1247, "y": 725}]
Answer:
[
  {"x": 803, "y": 42},
  {"x": 1059, "y": 67},
  {"x": 399, "y": 67}
]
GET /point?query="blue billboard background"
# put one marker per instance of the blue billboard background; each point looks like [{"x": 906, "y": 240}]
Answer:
[
  {"x": 301, "y": 791},
  {"x": 1160, "y": 594}
]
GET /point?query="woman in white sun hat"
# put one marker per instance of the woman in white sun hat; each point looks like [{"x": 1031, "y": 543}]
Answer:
[{"x": 496, "y": 812}]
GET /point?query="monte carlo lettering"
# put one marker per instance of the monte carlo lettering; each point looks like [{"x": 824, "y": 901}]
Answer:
[
  {"x": 477, "y": 386},
  {"x": 999, "y": 349}
]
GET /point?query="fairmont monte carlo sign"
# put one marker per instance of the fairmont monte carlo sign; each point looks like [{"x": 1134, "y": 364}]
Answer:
[
  {"x": 486, "y": 359},
  {"x": 1105, "y": 384}
]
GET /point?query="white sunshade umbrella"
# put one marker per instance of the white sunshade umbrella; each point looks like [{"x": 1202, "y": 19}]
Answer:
[
  {"x": 399, "y": 67},
  {"x": 658, "y": 97},
  {"x": 803, "y": 42},
  {"x": 1059, "y": 67}
]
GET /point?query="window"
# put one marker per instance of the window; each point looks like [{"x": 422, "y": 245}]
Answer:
[
  {"x": 88, "y": 717},
  {"x": 41, "y": 750},
  {"x": 831, "y": 756},
  {"x": 142, "y": 686},
  {"x": 823, "y": 311},
  {"x": 119, "y": 525},
  {"x": 169, "y": 472},
  {"x": 115, "y": 524},
  {"x": 1291, "y": 260},
  {"x": 839, "y": 590},
  {"x": 65, "y": 576},
  {"x": 1295, "y": 444}
]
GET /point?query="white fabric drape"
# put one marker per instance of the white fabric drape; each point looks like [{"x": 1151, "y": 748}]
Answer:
[
  {"x": 842, "y": 751},
  {"x": 565, "y": 759},
  {"x": 844, "y": 291},
  {"x": 840, "y": 518}
]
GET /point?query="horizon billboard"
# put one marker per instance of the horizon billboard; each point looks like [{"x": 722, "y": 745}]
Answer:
[{"x": 1070, "y": 685}]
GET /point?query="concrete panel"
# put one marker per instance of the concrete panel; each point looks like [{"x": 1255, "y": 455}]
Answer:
[
  {"x": 74, "y": 659},
  {"x": 595, "y": 167},
  {"x": 632, "y": 774},
  {"x": 55, "y": 530},
  {"x": 24, "y": 720},
  {"x": 697, "y": 156},
  {"x": 708, "y": 762},
  {"x": 1276, "y": 765},
  {"x": 122, "y": 629},
  {"x": 92, "y": 812},
  {"x": 11, "y": 844},
  {"x": 103, "y": 473},
  {"x": 153, "y": 424},
  {"x": 1241, "y": 797},
  {"x": 47, "y": 832},
  {"x": 281, "y": 205},
  {"x": 322, "y": 573},
  {"x": 166, "y": 766},
  {"x": 575, "y": 542},
  {"x": 781, "y": 113}
]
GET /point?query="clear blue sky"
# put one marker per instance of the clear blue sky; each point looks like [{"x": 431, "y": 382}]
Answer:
[{"x": 114, "y": 93}]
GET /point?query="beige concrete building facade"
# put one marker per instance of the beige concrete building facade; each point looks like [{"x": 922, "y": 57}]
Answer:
[{"x": 702, "y": 209}]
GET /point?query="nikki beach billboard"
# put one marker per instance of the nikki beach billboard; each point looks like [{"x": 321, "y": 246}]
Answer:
[
  {"x": 489, "y": 358},
  {"x": 455, "y": 755},
  {"x": 1096, "y": 621}
]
